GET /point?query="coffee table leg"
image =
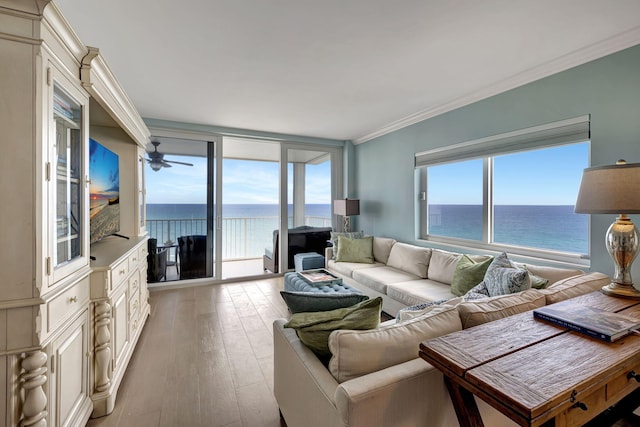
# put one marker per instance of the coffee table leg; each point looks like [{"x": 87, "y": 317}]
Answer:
[{"x": 465, "y": 405}]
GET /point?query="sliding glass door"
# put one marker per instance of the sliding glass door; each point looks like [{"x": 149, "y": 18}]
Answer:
[
  {"x": 310, "y": 181},
  {"x": 219, "y": 208}
]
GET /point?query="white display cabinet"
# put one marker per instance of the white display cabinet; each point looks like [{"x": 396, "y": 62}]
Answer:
[{"x": 69, "y": 324}]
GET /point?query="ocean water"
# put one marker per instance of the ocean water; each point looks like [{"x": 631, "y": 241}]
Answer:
[
  {"x": 547, "y": 227},
  {"x": 247, "y": 229}
]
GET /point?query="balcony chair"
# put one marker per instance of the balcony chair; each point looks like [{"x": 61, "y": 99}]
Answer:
[
  {"x": 301, "y": 239},
  {"x": 192, "y": 256},
  {"x": 156, "y": 262}
]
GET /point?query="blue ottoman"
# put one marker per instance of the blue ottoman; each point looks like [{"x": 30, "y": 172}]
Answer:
[
  {"x": 301, "y": 296},
  {"x": 308, "y": 261}
]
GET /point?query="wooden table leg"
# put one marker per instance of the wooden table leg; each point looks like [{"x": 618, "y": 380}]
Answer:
[{"x": 465, "y": 405}]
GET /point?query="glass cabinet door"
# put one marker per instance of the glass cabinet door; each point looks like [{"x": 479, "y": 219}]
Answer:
[{"x": 68, "y": 172}]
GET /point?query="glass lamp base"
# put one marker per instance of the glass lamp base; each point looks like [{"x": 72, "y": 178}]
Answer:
[{"x": 621, "y": 291}]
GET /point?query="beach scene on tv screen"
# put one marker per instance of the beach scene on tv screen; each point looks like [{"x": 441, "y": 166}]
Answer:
[{"x": 104, "y": 191}]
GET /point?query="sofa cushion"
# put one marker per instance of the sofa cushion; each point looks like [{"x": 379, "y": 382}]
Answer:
[
  {"x": 575, "y": 286},
  {"x": 380, "y": 277},
  {"x": 468, "y": 273},
  {"x": 347, "y": 268},
  {"x": 314, "y": 328},
  {"x": 502, "y": 277},
  {"x": 474, "y": 313},
  {"x": 419, "y": 291},
  {"x": 355, "y": 250},
  {"x": 356, "y": 353},
  {"x": 410, "y": 258},
  {"x": 552, "y": 274},
  {"x": 299, "y": 302},
  {"x": 442, "y": 266},
  {"x": 382, "y": 248}
]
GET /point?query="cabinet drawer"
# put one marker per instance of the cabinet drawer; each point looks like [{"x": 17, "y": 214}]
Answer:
[
  {"x": 67, "y": 304},
  {"x": 142, "y": 254},
  {"x": 119, "y": 272},
  {"x": 134, "y": 260},
  {"x": 134, "y": 284}
]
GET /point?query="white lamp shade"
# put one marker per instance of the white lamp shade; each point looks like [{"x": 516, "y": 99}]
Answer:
[{"x": 613, "y": 189}]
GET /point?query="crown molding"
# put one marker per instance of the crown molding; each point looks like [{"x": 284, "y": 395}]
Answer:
[{"x": 595, "y": 51}]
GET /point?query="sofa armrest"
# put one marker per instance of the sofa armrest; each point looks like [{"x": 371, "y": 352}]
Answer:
[
  {"x": 328, "y": 254},
  {"x": 405, "y": 394},
  {"x": 302, "y": 385}
]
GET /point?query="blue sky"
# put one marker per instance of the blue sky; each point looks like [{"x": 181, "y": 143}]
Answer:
[
  {"x": 542, "y": 177},
  {"x": 244, "y": 182}
]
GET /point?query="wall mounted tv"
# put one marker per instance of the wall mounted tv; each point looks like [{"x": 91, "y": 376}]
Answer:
[{"x": 104, "y": 191}]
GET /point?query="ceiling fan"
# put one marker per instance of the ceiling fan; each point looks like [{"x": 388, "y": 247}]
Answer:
[{"x": 156, "y": 159}]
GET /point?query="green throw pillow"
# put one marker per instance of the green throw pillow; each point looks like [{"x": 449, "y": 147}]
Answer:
[
  {"x": 468, "y": 273},
  {"x": 537, "y": 282},
  {"x": 349, "y": 234},
  {"x": 314, "y": 328},
  {"x": 355, "y": 250}
]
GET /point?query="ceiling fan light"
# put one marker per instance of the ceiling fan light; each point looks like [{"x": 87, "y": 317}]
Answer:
[{"x": 155, "y": 166}]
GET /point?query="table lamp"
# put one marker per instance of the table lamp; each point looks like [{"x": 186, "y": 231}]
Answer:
[
  {"x": 615, "y": 189},
  {"x": 346, "y": 208}
]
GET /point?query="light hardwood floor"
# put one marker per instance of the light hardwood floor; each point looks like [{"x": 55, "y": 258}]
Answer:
[{"x": 205, "y": 358}]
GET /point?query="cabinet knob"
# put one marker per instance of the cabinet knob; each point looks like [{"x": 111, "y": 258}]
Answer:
[
  {"x": 73, "y": 299},
  {"x": 122, "y": 271},
  {"x": 633, "y": 375}
]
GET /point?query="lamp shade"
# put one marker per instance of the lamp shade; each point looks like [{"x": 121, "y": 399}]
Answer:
[
  {"x": 613, "y": 189},
  {"x": 346, "y": 207}
]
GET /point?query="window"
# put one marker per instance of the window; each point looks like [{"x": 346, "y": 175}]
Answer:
[
  {"x": 455, "y": 200},
  {"x": 513, "y": 192}
]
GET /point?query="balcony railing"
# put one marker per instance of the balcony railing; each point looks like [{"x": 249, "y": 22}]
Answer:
[{"x": 242, "y": 238}]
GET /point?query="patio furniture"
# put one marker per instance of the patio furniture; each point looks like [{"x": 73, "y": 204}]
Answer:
[
  {"x": 300, "y": 239},
  {"x": 156, "y": 261},
  {"x": 192, "y": 256}
]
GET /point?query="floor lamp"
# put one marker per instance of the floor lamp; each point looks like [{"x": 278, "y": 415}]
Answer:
[
  {"x": 346, "y": 208},
  {"x": 615, "y": 189}
]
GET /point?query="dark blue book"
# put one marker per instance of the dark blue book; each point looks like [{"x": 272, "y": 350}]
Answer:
[{"x": 597, "y": 323}]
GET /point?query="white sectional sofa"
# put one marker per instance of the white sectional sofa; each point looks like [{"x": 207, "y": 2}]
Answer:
[
  {"x": 406, "y": 275},
  {"x": 375, "y": 377}
]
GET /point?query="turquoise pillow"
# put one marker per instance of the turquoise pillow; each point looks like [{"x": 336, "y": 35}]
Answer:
[
  {"x": 468, "y": 273},
  {"x": 300, "y": 302},
  {"x": 355, "y": 250},
  {"x": 314, "y": 329}
]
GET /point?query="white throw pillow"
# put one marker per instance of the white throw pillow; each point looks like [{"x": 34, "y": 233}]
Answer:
[
  {"x": 357, "y": 353},
  {"x": 409, "y": 258}
]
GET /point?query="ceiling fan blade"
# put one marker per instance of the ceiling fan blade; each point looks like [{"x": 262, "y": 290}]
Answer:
[
  {"x": 178, "y": 163},
  {"x": 165, "y": 164}
]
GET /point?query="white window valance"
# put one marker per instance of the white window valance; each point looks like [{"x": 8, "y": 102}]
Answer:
[{"x": 547, "y": 135}]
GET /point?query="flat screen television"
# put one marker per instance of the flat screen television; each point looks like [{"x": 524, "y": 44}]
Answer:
[{"x": 104, "y": 191}]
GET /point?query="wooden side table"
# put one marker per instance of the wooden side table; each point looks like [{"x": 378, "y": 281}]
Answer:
[{"x": 537, "y": 373}]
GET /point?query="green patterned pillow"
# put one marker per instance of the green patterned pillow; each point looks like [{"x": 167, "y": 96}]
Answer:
[
  {"x": 355, "y": 250},
  {"x": 314, "y": 329},
  {"x": 468, "y": 274},
  {"x": 503, "y": 278}
]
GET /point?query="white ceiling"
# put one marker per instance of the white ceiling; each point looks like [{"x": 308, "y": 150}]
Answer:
[{"x": 341, "y": 69}]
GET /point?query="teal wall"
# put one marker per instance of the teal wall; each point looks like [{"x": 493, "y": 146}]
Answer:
[{"x": 607, "y": 88}]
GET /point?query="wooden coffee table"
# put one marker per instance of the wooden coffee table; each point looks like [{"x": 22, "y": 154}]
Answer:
[{"x": 537, "y": 373}]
